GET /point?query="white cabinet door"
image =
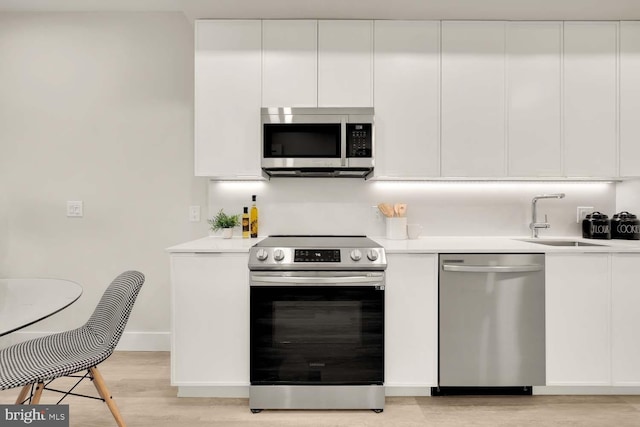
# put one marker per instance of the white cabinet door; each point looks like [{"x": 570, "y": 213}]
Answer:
[
  {"x": 289, "y": 63},
  {"x": 590, "y": 99},
  {"x": 473, "y": 99},
  {"x": 411, "y": 321},
  {"x": 534, "y": 55},
  {"x": 210, "y": 320},
  {"x": 345, "y": 63},
  {"x": 407, "y": 98},
  {"x": 577, "y": 319},
  {"x": 629, "y": 98},
  {"x": 227, "y": 98},
  {"x": 625, "y": 318}
]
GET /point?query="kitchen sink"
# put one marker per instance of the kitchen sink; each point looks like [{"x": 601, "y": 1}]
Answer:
[{"x": 560, "y": 242}]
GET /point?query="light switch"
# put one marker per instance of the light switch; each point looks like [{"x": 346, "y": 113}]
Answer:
[
  {"x": 74, "y": 208},
  {"x": 194, "y": 213}
]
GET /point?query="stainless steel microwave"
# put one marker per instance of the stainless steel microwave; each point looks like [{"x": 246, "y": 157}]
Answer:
[{"x": 317, "y": 142}]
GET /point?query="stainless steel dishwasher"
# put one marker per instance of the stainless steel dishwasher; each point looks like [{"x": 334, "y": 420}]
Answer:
[{"x": 492, "y": 331}]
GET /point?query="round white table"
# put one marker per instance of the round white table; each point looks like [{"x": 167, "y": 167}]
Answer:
[{"x": 26, "y": 301}]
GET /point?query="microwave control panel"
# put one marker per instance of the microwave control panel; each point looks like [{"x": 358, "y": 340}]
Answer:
[{"x": 359, "y": 140}]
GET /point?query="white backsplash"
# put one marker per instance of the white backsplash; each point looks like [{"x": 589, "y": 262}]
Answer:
[{"x": 346, "y": 206}]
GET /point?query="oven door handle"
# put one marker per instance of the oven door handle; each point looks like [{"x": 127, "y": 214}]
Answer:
[{"x": 259, "y": 280}]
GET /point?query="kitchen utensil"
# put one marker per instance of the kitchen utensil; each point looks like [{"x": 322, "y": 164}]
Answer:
[
  {"x": 625, "y": 225},
  {"x": 386, "y": 209},
  {"x": 596, "y": 226},
  {"x": 401, "y": 209}
]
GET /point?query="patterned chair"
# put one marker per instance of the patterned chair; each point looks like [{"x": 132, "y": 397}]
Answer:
[{"x": 39, "y": 361}]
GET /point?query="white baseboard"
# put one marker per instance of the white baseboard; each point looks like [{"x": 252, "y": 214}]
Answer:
[
  {"x": 403, "y": 390},
  {"x": 584, "y": 390},
  {"x": 130, "y": 341},
  {"x": 214, "y": 391},
  {"x": 145, "y": 341}
]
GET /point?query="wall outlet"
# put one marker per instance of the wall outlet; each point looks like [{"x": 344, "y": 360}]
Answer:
[
  {"x": 582, "y": 212},
  {"x": 74, "y": 208},
  {"x": 194, "y": 213},
  {"x": 377, "y": 215}
]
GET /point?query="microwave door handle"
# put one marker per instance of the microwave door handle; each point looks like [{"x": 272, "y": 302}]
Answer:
[
  {"x": 257, "y": 280},
  {"x": 343, "y": 141}
]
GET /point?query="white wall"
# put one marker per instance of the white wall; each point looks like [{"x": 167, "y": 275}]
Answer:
[
  {"x": 344, "y": 206},
  {"x": 97, "y": 107}
]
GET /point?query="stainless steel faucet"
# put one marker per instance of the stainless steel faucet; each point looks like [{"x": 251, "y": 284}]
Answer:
[{"x": 535, "y": 225}]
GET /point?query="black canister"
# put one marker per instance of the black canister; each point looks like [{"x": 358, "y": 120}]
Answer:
[
  {"x": 596, "y": 226},
  {"x": 625, "y": 225}
]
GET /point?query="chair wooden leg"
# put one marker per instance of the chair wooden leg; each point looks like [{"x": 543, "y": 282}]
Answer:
[
  {"x": 98, "y": 382},
  {"x": 38, "y": 393},
  {"x": 23, "y": 394}
]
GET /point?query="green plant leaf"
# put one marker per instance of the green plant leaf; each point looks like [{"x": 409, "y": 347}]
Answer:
[{"x": 222, "y": 220}]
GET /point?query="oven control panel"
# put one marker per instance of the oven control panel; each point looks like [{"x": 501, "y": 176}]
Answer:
[
  {"x": 316, "y": 255},
  {"x": 318, "y": 258}
]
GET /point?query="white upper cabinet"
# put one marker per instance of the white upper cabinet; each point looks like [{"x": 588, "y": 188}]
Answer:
[
  {"x": 289, "y": 63},
  {"x": 345, "y": 63},
  {"x": 629, "y": 98},
  {"x": 227, "y": 98},
  {"x": 407, "y": 98},
  {"x": 534, "y": 58},
  {"x": 590, "y": 99},
  {"x": 473, "y": 99}
]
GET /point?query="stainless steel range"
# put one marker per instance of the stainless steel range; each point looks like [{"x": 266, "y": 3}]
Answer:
[{"x": 317, "y": 323}]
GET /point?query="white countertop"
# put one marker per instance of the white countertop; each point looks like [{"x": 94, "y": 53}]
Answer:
[{"x": 473, "y": 244}]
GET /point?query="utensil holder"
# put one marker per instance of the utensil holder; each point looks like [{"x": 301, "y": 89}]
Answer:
[{"x": 396, "y": 228}]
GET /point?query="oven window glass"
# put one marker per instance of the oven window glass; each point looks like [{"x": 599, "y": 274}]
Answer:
[
  {"x": 317, "y": 335},
  {"x": 320, "y": 140},
  {"x": 331, "y": 322}
]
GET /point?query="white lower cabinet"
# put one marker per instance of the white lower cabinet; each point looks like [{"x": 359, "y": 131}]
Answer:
[
  {"x": 210, "y": 319},
  {"x": 625, "y": 318},
  {"x": 411, "y": 321},
  {"x": 578, "y": 319}
]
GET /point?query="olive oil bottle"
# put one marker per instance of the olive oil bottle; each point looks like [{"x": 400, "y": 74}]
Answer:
[
  {"x": 245, "y": 223},
  {"x": 253, "y": 217}
]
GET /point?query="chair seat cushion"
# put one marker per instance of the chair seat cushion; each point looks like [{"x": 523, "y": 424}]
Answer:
[{"x": 50, "y": 357}]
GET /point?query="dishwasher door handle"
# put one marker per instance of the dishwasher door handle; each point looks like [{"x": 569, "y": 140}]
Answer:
[{"x": 492, "y": 268}]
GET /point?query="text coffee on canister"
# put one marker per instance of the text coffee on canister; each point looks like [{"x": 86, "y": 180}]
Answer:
[
  {"x": 596, "y": 225},
  {"x": 625, "y": 225}
]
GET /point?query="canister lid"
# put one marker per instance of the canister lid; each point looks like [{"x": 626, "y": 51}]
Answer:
[
  {"x": 624, "y": 215},
  {"x": 597, "y": 215}
]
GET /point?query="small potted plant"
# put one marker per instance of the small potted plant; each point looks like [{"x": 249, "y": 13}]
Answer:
[{"x": 224, "y": 222}]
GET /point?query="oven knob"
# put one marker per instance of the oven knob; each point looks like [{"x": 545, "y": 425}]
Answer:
[
  {"x": 372, "y": 254},
  {"x": 262, "y": 254},
  {"x": 356, "y": 255},
  {"x": 278, "y": 255}
]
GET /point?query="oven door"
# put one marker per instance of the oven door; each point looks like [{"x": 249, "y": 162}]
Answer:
[{"x": 317, "y": 328}]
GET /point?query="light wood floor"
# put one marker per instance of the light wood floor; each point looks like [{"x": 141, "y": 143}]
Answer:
[{"x": 139, "y": 383}]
